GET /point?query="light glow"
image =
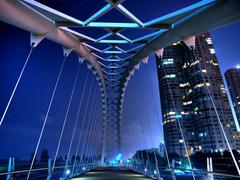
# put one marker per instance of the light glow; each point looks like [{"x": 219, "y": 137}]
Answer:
[
  {"x": 98, "y": 14},
  {"x": 113, "y": 25},
  {"x": 68, "y": 172},
  {"x": 114, "y": 41}
]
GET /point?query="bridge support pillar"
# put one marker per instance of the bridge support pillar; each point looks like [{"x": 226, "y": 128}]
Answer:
[{"x": 11, "y": 165}]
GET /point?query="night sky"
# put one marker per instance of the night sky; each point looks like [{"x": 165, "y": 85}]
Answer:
[{"x": 21, "y": 127}]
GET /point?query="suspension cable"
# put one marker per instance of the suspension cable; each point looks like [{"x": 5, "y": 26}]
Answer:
[
  {"x": 160, "y": 124},
  {"x": 66, "y": 117},
  {"x": 219, "y": 120},
  {"x": 150, "y": 131},
  {"x": 76, "y": 122},
  {"x": 93, "y": 137},
  {"x": 135, "y": 140},
  {"x": 95, "y": 142},
  {"x": 91, "y": 130},
  {"x": 88, "y": 123},
  {"x": 145, "y": 142},
  {"x": 81, "y": 130},
  {"x": 46, "y": 117},
  {"x": 136, "y": 130},
  {"x": 140, "y": 152},
  {"x": 16, "y": 85},
  {"x": 179, "y": 124}
]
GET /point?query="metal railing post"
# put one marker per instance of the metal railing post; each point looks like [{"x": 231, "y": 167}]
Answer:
[
  {"x": 11, "y": 165},
  {"x": 49, "y": 169}
]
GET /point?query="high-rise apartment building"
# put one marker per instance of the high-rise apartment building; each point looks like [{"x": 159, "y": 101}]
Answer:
[
  {"x": 232, "y": 76},
  {"x": 188, "y": 78}
]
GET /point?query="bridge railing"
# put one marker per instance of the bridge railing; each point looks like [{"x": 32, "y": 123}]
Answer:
[
  {"x": 173, "y": 173},
  {"x": 19, "y": 169}
]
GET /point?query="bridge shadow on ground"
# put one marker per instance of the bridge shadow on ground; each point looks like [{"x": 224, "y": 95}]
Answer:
[{"x": 111, "y": 173}]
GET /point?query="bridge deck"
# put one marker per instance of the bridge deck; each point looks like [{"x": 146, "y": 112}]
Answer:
[{"x": 111, "y": 173}]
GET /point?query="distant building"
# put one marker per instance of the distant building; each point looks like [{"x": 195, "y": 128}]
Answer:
[
  {"x": 188, "y": 73},
  {"x": 152, "y": 150},
  {"x": 162, "y": 149},
  {"x": 232, "y": 76}
]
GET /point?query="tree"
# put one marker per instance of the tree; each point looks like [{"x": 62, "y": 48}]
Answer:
[{"x": 44, "y": 156}]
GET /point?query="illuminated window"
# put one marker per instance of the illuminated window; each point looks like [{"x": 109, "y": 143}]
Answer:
[
  {"x": 187, "y": 103},
  {"x": 181, "y": 140},
  {"x": 201, "y": 85},
  {"x": 184, "y": 66},
  {"x": 204, "y": 70},
  {"x": 171, "y": 113},
  {"x": 212, "y": 51},
  {"x": 184, "y": 113},
  {"x": 184, "y": 84},
  {"x": 213, "y": 63},
  {"x": 167, "y": 61},
  {"x": 194, "y": 63},
  {"x": 177, "y": 116},
  {"x": 208, "y": 40},
  {"x": 170, "y": 76}
]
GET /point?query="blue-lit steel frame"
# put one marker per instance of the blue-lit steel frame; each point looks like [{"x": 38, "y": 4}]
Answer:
[
  {"x": 98, "y": 14},
  {"x": 170, "y": 28}
]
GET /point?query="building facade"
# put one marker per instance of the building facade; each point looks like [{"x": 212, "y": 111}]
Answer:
[
  {"x": 191, "y": 91},
  {"x": 232, "y": 76}
]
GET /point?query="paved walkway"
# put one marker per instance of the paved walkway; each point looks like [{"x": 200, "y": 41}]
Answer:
[{"x": 111, "y": 173}]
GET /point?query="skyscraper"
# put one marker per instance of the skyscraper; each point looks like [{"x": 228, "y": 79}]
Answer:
[
  {"x": 232, "y": 76},
  {"x": 191, "y": 89}
]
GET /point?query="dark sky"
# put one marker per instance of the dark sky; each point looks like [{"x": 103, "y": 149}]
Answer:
[{"x": 21, "y": 127}]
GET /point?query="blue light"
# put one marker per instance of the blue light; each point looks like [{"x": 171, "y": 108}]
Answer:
[
  {"x": 97, "y": 14},
  {"x": 113, "y": 52},
  {"x": 112, "y": 60},
  {"x": 105, "y": 36},
  {"x": 68, "y": 172},
  {"x": 83, "y": 168},
  {"x": 178, "y": 116},
  {"x": 187, "y": 166},
  {"x": 113, "y": 25},
  {"x": 177, "y": 13},
  {"x": 113, "y": 162},
  {"x": 119, "y": 157},
  {"x": 114, "y": 41},
  {"x": 178, "y": 172}
]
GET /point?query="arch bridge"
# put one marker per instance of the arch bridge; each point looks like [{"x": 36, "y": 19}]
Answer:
[{"x": 113, "y": 65}]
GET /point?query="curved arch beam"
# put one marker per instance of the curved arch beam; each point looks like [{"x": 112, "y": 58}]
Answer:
[
  {"x": 216, "y": 14},
  {"x": 22, "y": 16}
]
